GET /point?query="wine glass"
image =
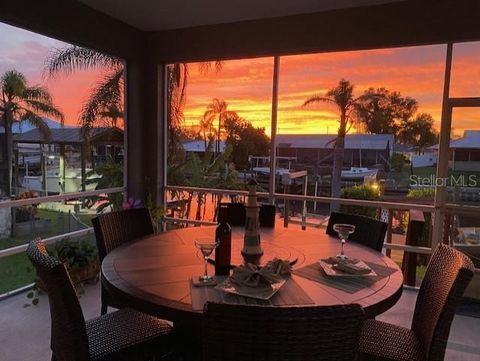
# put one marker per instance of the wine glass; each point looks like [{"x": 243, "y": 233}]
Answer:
[
  {"x": 206, "y": 246},
  {"x": 343, "y": 230}
]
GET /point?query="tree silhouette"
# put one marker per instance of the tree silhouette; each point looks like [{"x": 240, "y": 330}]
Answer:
[
  {"x": 342, "y": 97},
  {"x": 20, "y": 102}
]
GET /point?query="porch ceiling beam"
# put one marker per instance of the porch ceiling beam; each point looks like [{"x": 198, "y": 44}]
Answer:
[
  {"x": 395, "y": 24},
  {"x": 467, "y": 102},
  {"x": 75, "y": 23}
]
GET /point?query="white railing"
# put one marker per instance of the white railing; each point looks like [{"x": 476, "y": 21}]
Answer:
[
  {"x": 59, "y": 197},
  {"x": 56, "y": 198},
  {"x": 23, "y": 247},
  {"x": 294, "y": 197}
]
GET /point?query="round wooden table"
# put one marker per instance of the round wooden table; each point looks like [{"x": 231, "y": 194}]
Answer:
[{"x": 153, "y": 274}]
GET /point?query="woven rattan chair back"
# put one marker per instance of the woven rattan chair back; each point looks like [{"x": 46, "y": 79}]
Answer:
[
  {"x": 368, "y": 231},
  {"x": 116, "y": 228},
  {"x": 267, "y": 215},
  {"x": 233, "y": 213},
  {"x": 446, "y": 278},
  {"x": 69, "y": 341},
  {"x": 247, "y": 333}
]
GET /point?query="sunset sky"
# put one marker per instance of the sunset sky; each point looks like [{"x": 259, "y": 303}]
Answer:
[{"x": 247, "y": 84}]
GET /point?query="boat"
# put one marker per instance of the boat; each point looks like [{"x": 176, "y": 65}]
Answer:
[
  {"x": 359, "y": 173},
  {"x": 266, "y": 171},
  {"x": 73, "y": 182}
]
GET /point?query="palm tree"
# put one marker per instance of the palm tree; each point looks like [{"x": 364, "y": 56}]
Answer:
[
  {"x": 218, "y": 109},
  {"x": 112, "y": 114},
  {"x": 20, "y": 102},
  {"x": 106, "y": 94},
  {"x": 342, "y": 97},
  {"x": 206, "y": 129}
]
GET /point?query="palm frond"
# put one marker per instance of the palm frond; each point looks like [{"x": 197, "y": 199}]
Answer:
[
  {"x": 37, "y": 93},
  {"x": 177, "y": 76},
  {"x": 46, "y": 108},
  {"x": 37, "y": 122},
  {"x": 107, "y": 93},
  {"x": 317, "y": 99},
  {"x": 205, "y": 67},
  {"x": 69, "y": 59},
  {"x": 12, "y": 84}
]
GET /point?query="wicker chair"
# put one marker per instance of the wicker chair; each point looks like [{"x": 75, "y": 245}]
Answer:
[
  {"x": 114, "y": 229},
  {"x": 260, "y": 333},
  {"x": 368, "y": 231},
  {"x": 235, "y": 214},
  {"x": 266, "y": 215},
  {"x": 121, "y": 335},
  {"x": 447, "y": 276}
]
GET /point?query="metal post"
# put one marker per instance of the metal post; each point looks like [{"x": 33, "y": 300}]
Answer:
[
  {"x": 286, "y": 206},
  {"x": 273, "y": 133},
  {"x": 15, "y": 169},
  {"x": 83, "y": 166},
  {"x": 443, "y": 152},
  {"x": 304, "y": 211},
  {"x": 44, "y": 171},
  {"x": 62, "y": 167}
]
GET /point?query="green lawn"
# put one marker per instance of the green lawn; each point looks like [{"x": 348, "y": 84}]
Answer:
[{"x": 16, "y": 270}]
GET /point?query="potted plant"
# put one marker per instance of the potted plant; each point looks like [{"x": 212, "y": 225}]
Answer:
[
  {"x": 26, "y": 213},
  {"x": 81, "y": 259}
]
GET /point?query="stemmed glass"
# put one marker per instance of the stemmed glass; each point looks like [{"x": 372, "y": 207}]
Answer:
[
  {"x": 206, "y": 246},
  {"x": 343, "y": 230}
]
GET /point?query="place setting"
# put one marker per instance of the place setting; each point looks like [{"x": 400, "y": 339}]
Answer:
[
  {"x": 341, "y": 271},
  {"x": 252, "y": 281}
]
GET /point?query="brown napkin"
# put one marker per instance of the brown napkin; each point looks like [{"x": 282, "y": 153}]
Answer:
[
  {"x": 279, "y": 266},
  {"x": 251, "y": 276},
  {"x": 352, "y": 266}
]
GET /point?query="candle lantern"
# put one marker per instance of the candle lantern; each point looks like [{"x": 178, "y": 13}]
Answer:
[{"x": 252, "y": 249}]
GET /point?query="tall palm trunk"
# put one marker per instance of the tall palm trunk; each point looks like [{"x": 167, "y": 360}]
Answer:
[
  {"x": 218, "y": 134},
  {"x": 338, "y": 153}
]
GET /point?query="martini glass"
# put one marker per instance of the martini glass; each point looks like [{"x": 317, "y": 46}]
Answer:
[
  {"x": 206, "y": 246},
  {"x": 343, "y": 230}
]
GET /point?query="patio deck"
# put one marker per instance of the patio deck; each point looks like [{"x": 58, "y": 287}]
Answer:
[{"x": 25, "y": 331}]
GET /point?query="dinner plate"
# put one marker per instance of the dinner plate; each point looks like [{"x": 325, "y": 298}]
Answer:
[
  {"x": 257, "y": 293},
  {"x": 330, "y": 271}
]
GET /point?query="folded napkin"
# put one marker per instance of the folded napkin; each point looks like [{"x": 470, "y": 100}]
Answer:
[
  {"x": 252, "y": 276},
  {"x": 279, "y": 267},
  {"x": 352, "y": 266}
]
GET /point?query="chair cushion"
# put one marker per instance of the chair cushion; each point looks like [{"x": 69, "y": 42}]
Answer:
[
  {"x": 384, "y": 341},
  {"x": 125, "y": 331}
]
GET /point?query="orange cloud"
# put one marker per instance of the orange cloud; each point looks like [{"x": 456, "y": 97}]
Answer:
[{"x": 246, "y": 85}]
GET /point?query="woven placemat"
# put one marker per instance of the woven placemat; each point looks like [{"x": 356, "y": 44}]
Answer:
[
  {"x": 314, "y": 272},
  {"x": 290, "y": 294}
]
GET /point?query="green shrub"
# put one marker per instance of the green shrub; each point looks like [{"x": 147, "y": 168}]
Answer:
[
  {"x": 365, "y": 192},
  {"x": 398, "y": 161},
  {"x": 421, "y": 193},
  {"x": 75, "y": 253}
]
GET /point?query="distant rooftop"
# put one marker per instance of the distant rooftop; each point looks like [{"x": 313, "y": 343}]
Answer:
[
  {"x": 352, "y": 141},
  {"x": 470, "y": 140},
  {"x": 69, "y": 136},
  {"x": 198, "y": 146},
  {"x": 25, "y": 126}
]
